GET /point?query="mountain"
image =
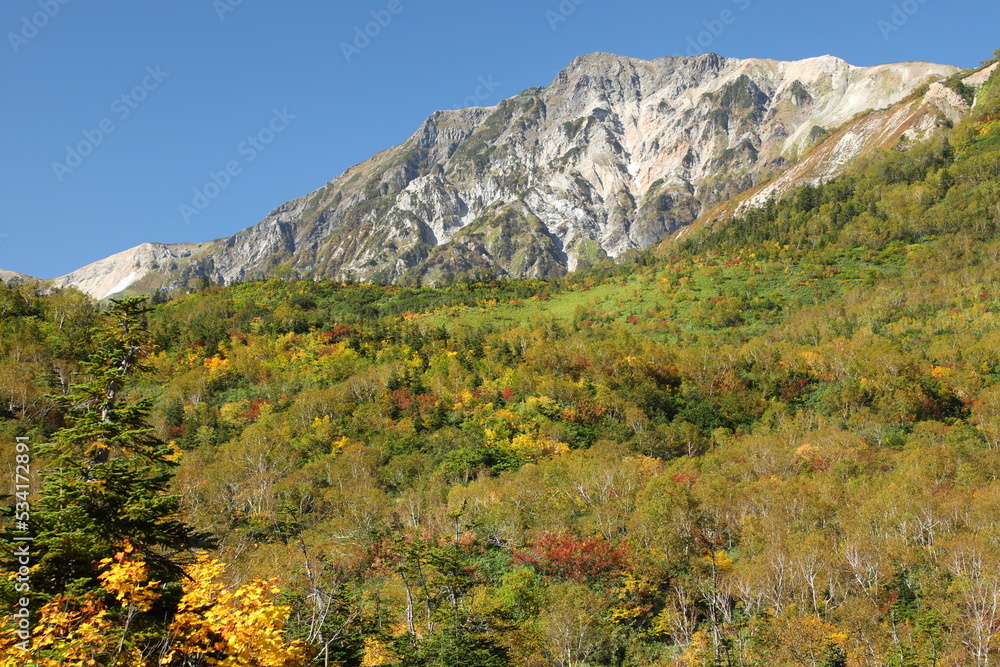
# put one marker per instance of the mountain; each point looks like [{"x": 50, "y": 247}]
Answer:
[
  {"x": 615, "y": 154},
  {"x": 7, "y": 277}
]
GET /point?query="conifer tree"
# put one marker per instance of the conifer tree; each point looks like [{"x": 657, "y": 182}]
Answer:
[{"x": 108, "y": 479}]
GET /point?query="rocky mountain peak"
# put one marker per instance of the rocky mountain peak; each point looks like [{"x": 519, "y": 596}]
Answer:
[{"x": 614, "y": 154}]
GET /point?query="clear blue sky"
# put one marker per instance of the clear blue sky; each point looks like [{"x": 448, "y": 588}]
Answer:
[{"x": 196, "y": 86}]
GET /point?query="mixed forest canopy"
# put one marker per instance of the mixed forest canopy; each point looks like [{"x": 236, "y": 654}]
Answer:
[{"x": 776, "y": 443}]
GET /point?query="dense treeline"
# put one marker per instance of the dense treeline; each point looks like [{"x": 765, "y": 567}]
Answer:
[{"x": 778, "y": 445}]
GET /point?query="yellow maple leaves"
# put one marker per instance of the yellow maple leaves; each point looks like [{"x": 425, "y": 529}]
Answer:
[
  {"x": 214, "y": 624},
  {"x": 230, "y": 628},
  {"x": 127, "y": 576}
]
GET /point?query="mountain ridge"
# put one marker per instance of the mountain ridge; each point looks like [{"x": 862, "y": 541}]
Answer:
[{"x": 615, "y": 154}]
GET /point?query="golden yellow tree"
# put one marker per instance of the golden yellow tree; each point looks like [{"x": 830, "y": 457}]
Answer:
[{"x": 214, "y": 624}]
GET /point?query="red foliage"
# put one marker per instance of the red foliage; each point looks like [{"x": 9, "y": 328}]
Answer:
[
  {"x": 402, "y": 399},
  {"x": 583, "y": 414},
  {"x": 888, "y": 601},
  {"x": 567, "y": 557},
  {"x": 507, "y": 393},
  {"x": 793, "y": 389},
  {"x": 686, "y": 478},
  {"x": 253, "y": 413},
  {"x": 633, "y": 320},
  {"x": 338, "y": 333}
]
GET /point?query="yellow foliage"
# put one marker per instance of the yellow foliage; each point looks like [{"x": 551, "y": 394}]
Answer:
[
  {"x": 176, "y": 453},
  {"x": 465, "y": 397},
  {"x": 213, "y": 625},
  {"x": 340, "y": 444},
  {"x": 377, "y": 654},
  {"x": 243, "y": 627},
  {"x": 535, "y": 447},
  {"x": 216, "y": 366},
  {"x": 232, "y": 413},
  {"x": 128, "y": 578},
  {"x": 699, "y": 650},
  {"x": 544, "y": 405},
  {"x": 721, "y": 561},
  {"x": 942, "y": 372}
]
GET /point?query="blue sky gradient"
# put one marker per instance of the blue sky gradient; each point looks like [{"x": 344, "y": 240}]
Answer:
[{"x": 264, "y": 96}]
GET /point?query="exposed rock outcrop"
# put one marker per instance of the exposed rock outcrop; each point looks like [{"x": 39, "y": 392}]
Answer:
[{"x": 615, "y": 154}]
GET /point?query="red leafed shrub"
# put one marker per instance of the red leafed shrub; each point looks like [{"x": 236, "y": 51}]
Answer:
[
  {"x": 402, "y": 399},
  {"x": 338, "y": 333},
  {"x": 507, "y": 393},
  {"x": 687, "y": 479},
  {"x": 793, "y": 388},
  {"x": 583, "y": 414},
  {"x": 253, "y": 413},
  {"x": 567, "y": 557}
]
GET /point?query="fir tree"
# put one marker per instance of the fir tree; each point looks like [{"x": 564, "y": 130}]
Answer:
[{"x": 108, "y": 479}]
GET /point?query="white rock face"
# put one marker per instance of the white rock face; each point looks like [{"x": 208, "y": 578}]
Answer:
[
  {"x": 112, "y": 275},
  {"x": 8, "y": 277},
  {"x": 615, "y": 154},
  {"x": 982, "y": 76},
  {"x": 907, "y": 123}
]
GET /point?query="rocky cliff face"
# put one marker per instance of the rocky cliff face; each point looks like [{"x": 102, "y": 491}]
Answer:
[
  {"x": 12, "y": 277},
  {"x": 614, "y": 154},
  {"x": 149, "y": 263}
]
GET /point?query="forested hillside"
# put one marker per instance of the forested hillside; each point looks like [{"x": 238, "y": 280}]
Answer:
[{"x": 776, "y": 443}]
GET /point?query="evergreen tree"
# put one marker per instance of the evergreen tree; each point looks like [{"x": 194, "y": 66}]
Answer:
[{"x": 107, "y": 483}]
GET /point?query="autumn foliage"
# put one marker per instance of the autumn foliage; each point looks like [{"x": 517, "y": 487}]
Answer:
[
  {"x": 775, "y": 442},
  {"x": 571, "y": 558},
  {"x": 214, "y": 624}
]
